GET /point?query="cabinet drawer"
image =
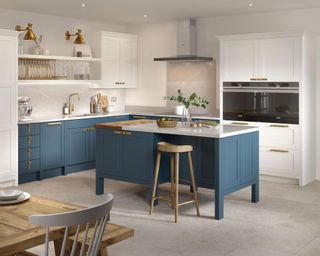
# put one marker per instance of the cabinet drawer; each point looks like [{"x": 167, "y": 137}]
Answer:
[
  {"x": 29, "y": 129},
  {"x": 28, "y": 154},
  {"x": 29, "y": 166},
  {"x": 279, "y": 162},
  {"x": 280, "y": 135},
  {"x": 29, "y": 141}
]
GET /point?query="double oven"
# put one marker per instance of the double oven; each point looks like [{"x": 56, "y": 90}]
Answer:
[{"x": 261, "y": 102}]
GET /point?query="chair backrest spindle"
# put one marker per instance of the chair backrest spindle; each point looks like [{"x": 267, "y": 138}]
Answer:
[{"x": 97, "y": 214}]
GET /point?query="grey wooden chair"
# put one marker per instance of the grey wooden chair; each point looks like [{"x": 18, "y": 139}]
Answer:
[{"x": 99, "y": 215}]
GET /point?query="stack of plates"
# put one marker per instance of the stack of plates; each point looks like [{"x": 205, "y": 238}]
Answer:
[{"x": 13, "y": 196}]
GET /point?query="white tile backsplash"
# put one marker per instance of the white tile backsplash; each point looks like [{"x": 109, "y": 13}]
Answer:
[
  {"x": 192, "y": 77},
  {"x": 49, "y": 100}
]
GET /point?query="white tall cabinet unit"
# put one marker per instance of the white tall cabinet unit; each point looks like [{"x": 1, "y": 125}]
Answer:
[
  {"x": 8, "y": 108},
  {"x": 287, "y": 151}
]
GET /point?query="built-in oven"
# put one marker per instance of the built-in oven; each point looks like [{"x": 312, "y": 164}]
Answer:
[{"x": 261, "y": 102}]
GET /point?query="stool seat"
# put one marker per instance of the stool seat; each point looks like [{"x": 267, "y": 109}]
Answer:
[{"x": 171, "y": 148}]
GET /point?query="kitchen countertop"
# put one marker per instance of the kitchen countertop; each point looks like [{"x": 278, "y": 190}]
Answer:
[
  {"x": 54, "y": 118},
  {"x": 119, "y": 125},
  {"x": 220, "y": 131}
]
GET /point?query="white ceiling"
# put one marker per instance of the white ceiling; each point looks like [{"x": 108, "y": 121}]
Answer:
[{"x": 132, "y": 11}]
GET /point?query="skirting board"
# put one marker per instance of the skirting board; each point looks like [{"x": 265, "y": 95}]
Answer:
[{"x": 279, "y": 179}]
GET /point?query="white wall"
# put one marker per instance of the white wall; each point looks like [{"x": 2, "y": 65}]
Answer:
[
  {"x": 48, "y": 100},
  {"x": 155, "y": 40}
]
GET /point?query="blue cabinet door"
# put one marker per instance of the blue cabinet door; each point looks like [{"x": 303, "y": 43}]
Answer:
[
  {"x": 110, "y": 153},
  {"x": 91, "y": 144},
  {"x": 76, "y": 145},
  {"x": 52, "y": 145},
  {"x": 205, "y": 162},
  {"x": 138, "y": 156}
]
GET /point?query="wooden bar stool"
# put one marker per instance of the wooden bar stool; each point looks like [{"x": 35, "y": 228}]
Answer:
[{"x": 174, "y": 151}]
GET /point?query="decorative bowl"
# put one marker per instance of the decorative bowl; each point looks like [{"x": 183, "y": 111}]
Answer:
[{"x": 167, "y": 124}]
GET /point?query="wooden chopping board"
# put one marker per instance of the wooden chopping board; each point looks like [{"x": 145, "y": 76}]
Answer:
[{"x": 119, "y": 125}]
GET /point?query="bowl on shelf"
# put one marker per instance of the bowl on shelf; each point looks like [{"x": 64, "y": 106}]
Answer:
[{"x": 167, "y": 122}]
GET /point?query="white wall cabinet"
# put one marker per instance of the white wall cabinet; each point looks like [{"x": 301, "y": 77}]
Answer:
[
  {"x": 119, "y": 60},
  {"x": 8, "y": 107},
  {"x": 274, "y": 59},
  {"x": 239, "y": 60}
]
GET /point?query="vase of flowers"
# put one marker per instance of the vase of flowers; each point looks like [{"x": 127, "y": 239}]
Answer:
[
  {"x": 193, "y": 100},
  {"x": 37, "y": 48}
]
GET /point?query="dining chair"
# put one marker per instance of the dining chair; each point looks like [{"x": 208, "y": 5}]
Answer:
[{"x": 99, "y": 215}]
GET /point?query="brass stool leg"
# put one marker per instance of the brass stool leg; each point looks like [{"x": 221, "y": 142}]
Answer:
[
  {"x": 176, "y": 201},
  {"x": 172, "y": 179},
  {"x": 195, "y": 193},
  {"x": 155, "y": 182}
]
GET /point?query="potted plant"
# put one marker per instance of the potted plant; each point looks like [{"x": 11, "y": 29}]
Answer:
[{"x": 193, "y": 100}]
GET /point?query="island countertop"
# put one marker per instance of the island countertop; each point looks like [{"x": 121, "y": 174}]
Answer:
[{"x": 220, "y": 131}]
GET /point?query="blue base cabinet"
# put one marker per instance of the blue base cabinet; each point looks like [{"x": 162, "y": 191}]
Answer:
[
  {"x": 52, "y": 148},
  {"x": 58, "y": 148},
  {"x": 223, "y": 164},
  {"x": 126, "y": 156}
]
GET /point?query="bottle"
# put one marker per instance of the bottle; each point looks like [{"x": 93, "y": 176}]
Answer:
[
  {"x": 65, "y": 109},
  {"x": 91, "y": 107}
]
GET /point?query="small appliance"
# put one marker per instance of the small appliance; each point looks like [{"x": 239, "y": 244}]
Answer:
[{"x": 24, "y": 108}]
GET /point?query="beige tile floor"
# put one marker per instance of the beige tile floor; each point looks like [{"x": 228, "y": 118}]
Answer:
[{"x": 285, "y": 222}]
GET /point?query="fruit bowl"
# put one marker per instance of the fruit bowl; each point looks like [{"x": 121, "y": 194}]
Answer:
[{"x": 167, "y": 122}]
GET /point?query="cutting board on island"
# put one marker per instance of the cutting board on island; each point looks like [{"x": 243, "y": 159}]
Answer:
[{"x": 119, "y": 125}]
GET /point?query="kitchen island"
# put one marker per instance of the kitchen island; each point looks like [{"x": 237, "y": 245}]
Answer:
[{"x": 226, "y": 157}]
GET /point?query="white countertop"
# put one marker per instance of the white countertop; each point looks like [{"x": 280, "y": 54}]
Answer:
[
  {"x": 220, "y": 131},
  {"x": 55, "y": 118}
]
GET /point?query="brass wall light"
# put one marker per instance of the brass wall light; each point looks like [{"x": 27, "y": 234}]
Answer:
[
  {"x": 79, "y": 38},
  {"x": 30, "y": 34}
]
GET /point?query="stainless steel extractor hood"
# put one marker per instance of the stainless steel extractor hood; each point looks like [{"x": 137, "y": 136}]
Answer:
[{"x": 186, "y": 43}]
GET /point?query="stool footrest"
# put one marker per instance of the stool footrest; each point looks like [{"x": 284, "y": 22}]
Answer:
[
  {"x": 162, "y": 198},
  {"x": 188, "y": 202}
]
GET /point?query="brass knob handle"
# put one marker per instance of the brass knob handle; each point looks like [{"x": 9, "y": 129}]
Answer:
[{"x": 29, "y": 153}]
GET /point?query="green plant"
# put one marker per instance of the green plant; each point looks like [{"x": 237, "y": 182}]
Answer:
[{"x": 192, "y": 100}]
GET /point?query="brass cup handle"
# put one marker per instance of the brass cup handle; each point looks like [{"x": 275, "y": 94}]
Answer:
[
  {"x": 279, "y": 126},
  {"x": 279, "y": 150},
  {"x": 240, "y": 123},
  {"x": 54, "y": 124},
  {"x": 139, "y": 117},
  {"x": 29, "y": 129},
  {"x": 29, "y": 165},
  {"x": 29, "y": 153}
]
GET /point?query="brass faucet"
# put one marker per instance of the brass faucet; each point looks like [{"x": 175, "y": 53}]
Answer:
[{"x": 71, "y": 107}]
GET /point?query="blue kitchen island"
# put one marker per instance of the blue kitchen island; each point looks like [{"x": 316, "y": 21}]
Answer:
[{"x": 226, "y": 157}]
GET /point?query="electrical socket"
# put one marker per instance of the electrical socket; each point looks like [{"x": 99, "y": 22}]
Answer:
[{"x": 114, "y": 99}]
